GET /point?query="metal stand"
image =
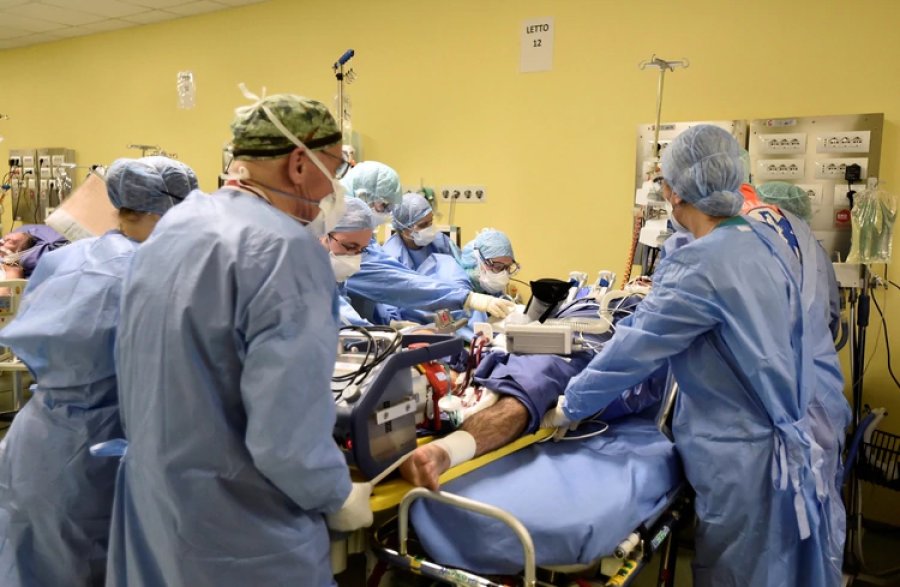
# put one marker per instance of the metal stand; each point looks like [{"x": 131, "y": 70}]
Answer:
[{"x": 854, "y": 559}]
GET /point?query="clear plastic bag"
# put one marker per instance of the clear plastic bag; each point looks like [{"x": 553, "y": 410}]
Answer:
[
  {"x": 873, "y": 215},
  {"x": 187, "y": 92}
]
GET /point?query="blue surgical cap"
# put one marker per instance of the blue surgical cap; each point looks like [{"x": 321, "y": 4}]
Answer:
[
  {"x": 786, "y": 196},
  {"x": 703, "y": 166},
  {"x": 149, "y": 184},
  {"x": 491, "y": 243},
  {"x": 413, "y": 208},
  {"x": 371, "y": 181},
  {"x": 357, "y": 216}
]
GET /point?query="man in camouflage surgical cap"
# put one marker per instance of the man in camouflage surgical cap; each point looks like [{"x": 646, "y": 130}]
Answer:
[{"x": 225, "y": 359}]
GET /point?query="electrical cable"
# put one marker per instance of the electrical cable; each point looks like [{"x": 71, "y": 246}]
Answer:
[
  {"x": 887, "y": 343},
  {"x": 373, "y": 356}
]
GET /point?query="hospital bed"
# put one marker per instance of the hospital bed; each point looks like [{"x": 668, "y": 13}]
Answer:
[
  {"x": 620, "y": 494},
  {"x": 616, "y": 500}
]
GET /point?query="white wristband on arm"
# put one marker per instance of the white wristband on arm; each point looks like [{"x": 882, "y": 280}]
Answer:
[{"x": 460, "y": 445}]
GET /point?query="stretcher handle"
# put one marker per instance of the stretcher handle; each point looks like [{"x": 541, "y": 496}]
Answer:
[{"x": 473, "y": 506}]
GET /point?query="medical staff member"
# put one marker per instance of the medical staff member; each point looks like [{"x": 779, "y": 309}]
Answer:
[
  {"x": 794, "y": 200},
  {"x": 416, "y": 237},
  {"x": 346, "y": 244},
  {"x": 21, "y": 249},
  {"x": 726, "y": 314},
  {"x": 384, "y": 280},
  {"x": 829, "y": 411},
  {"x": 489, "y": 261},
  {"x": 55, "y": 498},
  {"x": 225, "y": 357}
]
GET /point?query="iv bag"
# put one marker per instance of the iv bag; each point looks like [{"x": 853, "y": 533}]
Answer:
[
  {"x": 187, "y": 93},
  {"x": 873, "y": 215}
]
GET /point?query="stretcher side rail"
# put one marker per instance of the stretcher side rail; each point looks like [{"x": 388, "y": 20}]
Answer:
[
  {"x": 657, "y": 534},
  {"x": 480, "y": 508}
]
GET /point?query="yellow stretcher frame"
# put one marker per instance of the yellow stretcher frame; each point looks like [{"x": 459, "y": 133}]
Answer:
[{"x": 386, "y": 495}]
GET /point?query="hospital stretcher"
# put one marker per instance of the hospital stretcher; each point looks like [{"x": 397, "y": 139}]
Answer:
[
  {"x": 628, "y": 502},
  {"x": 616, "y": 500}
]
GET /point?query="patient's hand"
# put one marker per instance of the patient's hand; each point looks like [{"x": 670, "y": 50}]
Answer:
[{"x": 425, "y": 465}]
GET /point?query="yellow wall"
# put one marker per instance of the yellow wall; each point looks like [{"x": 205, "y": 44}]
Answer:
[{"x": 439, "y": 97}]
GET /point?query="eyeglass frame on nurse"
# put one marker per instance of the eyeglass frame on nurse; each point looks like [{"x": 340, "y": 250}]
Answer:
[
  {"x": 354, "y": 250},
  {"x": 499, "y": 267}
]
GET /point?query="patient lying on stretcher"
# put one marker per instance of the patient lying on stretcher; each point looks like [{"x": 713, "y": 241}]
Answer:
[{"x": 527, "y": 386}]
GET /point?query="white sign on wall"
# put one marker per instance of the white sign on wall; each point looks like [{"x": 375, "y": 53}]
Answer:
[{"x": 537, "y": 45}]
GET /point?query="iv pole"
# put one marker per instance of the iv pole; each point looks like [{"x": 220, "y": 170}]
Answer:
[
  {"x": 662, "y": 65},
  {"x": 339, "y": 74}
]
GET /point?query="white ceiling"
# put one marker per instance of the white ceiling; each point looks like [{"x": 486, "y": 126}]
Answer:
[{"x": 28, "y": 22}]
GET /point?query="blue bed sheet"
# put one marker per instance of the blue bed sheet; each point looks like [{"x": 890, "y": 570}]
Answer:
[{"x": 578, "y": 499}]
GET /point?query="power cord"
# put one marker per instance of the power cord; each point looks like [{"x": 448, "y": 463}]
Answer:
[{"x": 887, "y": 343}]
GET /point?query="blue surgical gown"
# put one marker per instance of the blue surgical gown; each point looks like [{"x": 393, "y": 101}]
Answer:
[
  {"x": 726, "y": 313},
  {"x": 829, "y": 411},
  {"x": 384, "y": 280},
  {"x": 413, "y": 258},
  {"x": 55, "y": 498},
  {"x": 348, "y": 314},
  {"x": 225, "y": 355}
]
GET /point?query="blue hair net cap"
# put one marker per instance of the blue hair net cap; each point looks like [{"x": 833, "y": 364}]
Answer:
[
  {"x": 371, "y": 181},
  {"x": 149, "y": 184},
  {"x": 413, "y": 208},
  {"x": 703, "y": 166},
  {"x": 786, "y": 196},
  {"x": 357, "y": 216},
  {"x": 491, "y": 243}
]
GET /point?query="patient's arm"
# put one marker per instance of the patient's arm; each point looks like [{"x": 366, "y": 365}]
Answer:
[{"x": 491, "y": 428}]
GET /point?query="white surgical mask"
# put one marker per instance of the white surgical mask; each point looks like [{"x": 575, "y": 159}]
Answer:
[
  {"x": 493, "y": 282},
  {"x": 425, "y": 236},
  {"x": 344, "y": 265},
  {"x": 679, "y": 227},
  {"x": 331, "y": 209}
]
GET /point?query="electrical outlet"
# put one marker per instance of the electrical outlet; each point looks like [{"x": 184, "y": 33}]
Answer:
[
  {"x": 15, "y": 161},
  {"x": 780, "y": 168},
  {"x": 814, "y": 192},
  {"x": 449, "y": 193},
  {"x": 834, "y": 168},
  {"x": 58, "y": 160},
  {"x": 844, "y": 142},
  {"x": 840, "y": 194},
  {"x": 27, "y": 170},
  {"x": 470, "y": 194},
  {"x": 776, "y": 144},
  {"x": 27, "y": 161}
]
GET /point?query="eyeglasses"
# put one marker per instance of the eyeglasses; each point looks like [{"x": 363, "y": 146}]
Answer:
[
  {"x": 348, "y": 247},
  {"x": 342, "y": 169},
  {"x": 497, "y": 267}
]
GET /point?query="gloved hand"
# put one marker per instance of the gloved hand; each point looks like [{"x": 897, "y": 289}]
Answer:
[
  {"x": 496, "y": 307},
  {"x": 355, "y": 513},
  {"x": 556, "y": 418}
]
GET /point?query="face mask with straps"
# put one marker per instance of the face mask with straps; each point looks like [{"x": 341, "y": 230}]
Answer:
[{"x": 331, "y": 207}]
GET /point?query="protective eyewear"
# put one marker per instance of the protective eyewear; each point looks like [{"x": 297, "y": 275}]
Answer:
[
  {"x": 342, "y": 168},
  {"x": 348, "y": 247},
  {"x": 497, "y": 267}
]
